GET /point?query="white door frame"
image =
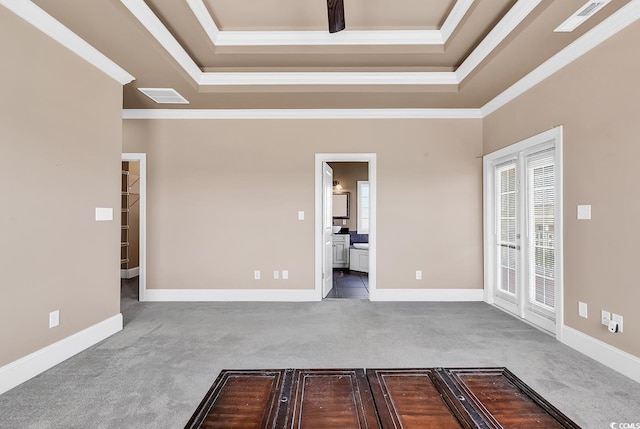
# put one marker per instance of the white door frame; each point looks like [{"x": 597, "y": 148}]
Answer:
[
  {"x": 327, "y": 229},
  {"x": 142, "y": 275},
  {"x": 370, "y": 159},
  {"x": 489, "y": 223}
]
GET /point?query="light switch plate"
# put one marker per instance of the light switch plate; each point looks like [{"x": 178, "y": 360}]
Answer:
[
  {"x": 104, "y": 213},
  {"x": 584, "y": 212},
  {"x": 54, "y": 319},
  {"x": 582, "y": 309},
  {"x": 605, "y": 317},
  {"x": 301, "y": 215},
  {"x": 285, "y": 274}
]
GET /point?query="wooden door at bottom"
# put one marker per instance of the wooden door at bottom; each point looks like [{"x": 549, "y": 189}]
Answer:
[{"x": 439, "y": 398}]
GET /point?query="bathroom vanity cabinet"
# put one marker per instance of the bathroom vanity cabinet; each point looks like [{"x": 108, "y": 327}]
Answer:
[
  {"x": 341, "y": 243},
  {"x": 359, "y": 260}
]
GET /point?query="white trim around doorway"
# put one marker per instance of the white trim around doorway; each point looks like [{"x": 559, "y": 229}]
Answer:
[
  {"x": 370, "y": 159},
  {"x": 142, "y": 273}
]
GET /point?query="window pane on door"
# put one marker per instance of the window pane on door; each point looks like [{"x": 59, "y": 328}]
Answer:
[
  {"x": 506, "y": 188},
  {"x": 542, "y": 231}
]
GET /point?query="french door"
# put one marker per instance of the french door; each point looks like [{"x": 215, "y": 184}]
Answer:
[{"x": 523, "y": 242}]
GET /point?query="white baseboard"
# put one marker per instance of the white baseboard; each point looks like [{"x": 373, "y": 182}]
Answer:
[
  {"x": 182, "y": 295},
  {"x": 130, "y": 273},
  {"x": 17, "y": 372},
  {"x": 436, "y": 295},
  {"x": 602, "y": 352}
]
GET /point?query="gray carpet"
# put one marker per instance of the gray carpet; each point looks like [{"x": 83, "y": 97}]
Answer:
[{"x": 154, "y": 373}]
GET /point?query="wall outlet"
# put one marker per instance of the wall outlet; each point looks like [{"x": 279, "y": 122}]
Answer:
[
  {"x": 54, "y": 319},
  {"x": 582, "y": 309},
  {"x": 605, "y": 317},
  {"x": 256, "y": 275},
  {"x": 276, "y": 275},
  {"x": 301, "y": 215},
  {"x": 418, "y": 275},
  {"x": 617, "y": 318},
  {"x": 344, "y": 221},
  {"x": 285, "y": 274}
]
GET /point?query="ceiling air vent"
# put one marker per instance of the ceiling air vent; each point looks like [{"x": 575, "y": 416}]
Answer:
[
  {"x": 164, "y": 95},
  {"x": 581, "y": 15}
]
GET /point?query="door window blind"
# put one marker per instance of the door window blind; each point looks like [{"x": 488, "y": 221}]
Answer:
[
  {"x": 541, "y": 228},
  {"x": 506, "y": 188}
]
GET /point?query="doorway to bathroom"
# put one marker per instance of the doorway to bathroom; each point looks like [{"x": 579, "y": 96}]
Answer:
[{"x": 345, "y": 254}]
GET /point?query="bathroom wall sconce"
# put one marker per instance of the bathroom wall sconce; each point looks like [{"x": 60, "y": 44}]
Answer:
[{"x": 336, "y": 185}]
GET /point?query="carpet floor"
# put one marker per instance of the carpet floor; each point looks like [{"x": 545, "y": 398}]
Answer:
[{"x": 154, "y": 373}]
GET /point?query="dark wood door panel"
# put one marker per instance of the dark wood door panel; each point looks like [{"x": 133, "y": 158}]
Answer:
[
  {"x": 479, "y": 398},
  {"x": 331, "y": 398},
  {"x": 242, "y": 400},
  {"x": 504, "y": 400},
  {"x": 409, "y": 399}
]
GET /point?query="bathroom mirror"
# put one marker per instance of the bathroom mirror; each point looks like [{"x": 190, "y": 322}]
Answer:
[{"x": 341, "y": 205}]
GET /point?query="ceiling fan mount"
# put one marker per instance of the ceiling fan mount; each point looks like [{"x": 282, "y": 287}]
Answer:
[{"x": 336, "y": 15}]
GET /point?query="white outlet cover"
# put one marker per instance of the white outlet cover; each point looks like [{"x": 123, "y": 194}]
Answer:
[
  {"x": 285, "y": 274},
  {"x": 418, "y": 275},
  {"x": 276, "y": 275},
  {"x": 301, "y": 215},
  {"x": 256, "y": 275},
  {"x": 584, "y": 212},
  {"x": 605, "y": 317},
  {"x": 617, "y": 318}
]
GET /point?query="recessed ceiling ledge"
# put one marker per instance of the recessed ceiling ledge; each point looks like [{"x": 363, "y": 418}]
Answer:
[{"x": 329, "y": 78}]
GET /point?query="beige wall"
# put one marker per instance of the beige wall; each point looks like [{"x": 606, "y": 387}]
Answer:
[
  {"x": 223, "y": 198},
  {"x": 596, "y": 99},
  {"x": 60, "y": 134},
  {"x": 348, "y": 174}
]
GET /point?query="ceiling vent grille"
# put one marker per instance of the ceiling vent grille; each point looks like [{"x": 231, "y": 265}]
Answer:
[
  {"x": 590, "y": 9},
  {"x": 581, "y": 15},
  {"x": 164, "y": 95}
]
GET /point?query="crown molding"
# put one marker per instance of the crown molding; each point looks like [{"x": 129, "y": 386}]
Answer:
[
  {"x": 44, "y": 22},
  {"x": 323, "y": 38},
  {"x": 205, "y": 19},
  {"x": 152, "y": 23},
  {"x": 149, "y": 20},
  {"x": 328, "y": 78},
  {"x": 618, "y": 21},
  {"x": 301, "y": 114},
  {"x": 507, "y": 24},
  {"x": 454, "y": 19}
]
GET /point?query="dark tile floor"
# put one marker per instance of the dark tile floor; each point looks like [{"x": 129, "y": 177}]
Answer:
[{"x": 349, "y": 284}]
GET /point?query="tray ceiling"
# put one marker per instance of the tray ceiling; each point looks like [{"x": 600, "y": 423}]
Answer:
[{"x": 279, "y": 54}]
